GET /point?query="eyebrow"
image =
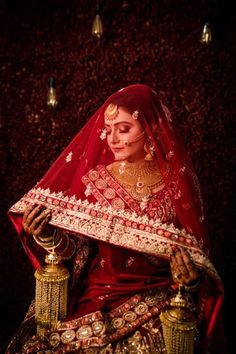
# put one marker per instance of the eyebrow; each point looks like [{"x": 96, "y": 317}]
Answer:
[{"x": 108, "y": 125}]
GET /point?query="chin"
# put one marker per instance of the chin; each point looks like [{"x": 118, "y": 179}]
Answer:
[
  {"x": 120, "y": 158},
  {"x": 117, "y": 158}
]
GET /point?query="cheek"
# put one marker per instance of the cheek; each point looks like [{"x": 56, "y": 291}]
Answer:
[
  {"x": 135, "y": 149},
  {"x": 140, "y": 146},
  {"x": 136, "y": 133},
  {"x": 108, "y": 140}
]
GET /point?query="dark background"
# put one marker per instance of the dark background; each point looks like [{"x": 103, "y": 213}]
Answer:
[{"x": 151, "y": 42}]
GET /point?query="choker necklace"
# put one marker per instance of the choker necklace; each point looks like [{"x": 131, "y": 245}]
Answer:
[{"x": 139, "y": 179}]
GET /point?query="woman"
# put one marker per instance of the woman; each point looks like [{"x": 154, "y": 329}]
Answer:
[{"x": 122, "y": 206}]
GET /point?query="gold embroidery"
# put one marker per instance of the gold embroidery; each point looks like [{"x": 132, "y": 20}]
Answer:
[
  {"x": 129, "y": 316},
  {"x": 84, "y": 332},
  {"x": 90, "y": 182},
  {"x": 109, "y": 193},
  {"x": 68, "y": 336},
  {"x": 96, "y": 330},
  {"x": 116, "y": 226},
  {"x": 151, "y": 300},
  {"x": 118, "y": 204},
  {"x": 118, "y": 322},
  {"x": 141, "y": 308},
  {"x": 159, "y": 207},
  {"x": 93, "y": 175},
  {"x": 54, "y": 339},
  {"x": 100, "y": 184}
]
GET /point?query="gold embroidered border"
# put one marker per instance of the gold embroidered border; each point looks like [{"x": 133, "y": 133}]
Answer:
[
  {"x": 118, "y": 227},
  {"x": 133, "y": 205},
  {"x": 97, "y": 329},
  {"x": 90, "y": 183}
]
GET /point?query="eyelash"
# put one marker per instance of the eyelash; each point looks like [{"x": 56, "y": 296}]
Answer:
[{"x": 124, "y": 130}]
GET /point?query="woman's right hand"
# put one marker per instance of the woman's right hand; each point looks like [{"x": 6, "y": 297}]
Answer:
[{"x": 35, "y": 221}]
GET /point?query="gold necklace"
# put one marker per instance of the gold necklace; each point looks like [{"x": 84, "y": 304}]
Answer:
[{"x": 138, "y": 179}]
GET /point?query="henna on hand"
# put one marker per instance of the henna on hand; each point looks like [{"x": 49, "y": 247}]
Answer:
[{"x": 183, "y": 268}]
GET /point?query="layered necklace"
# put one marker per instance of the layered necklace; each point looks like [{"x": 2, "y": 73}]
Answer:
[{"x": 139, "y": 179}]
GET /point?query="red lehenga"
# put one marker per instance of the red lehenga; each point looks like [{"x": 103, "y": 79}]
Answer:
[{"x": 120, "y": 247}]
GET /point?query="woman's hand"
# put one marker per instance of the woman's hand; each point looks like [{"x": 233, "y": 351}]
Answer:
[
  {"x": 35, "y": 221},
  {"x": 183, "y": 269}
]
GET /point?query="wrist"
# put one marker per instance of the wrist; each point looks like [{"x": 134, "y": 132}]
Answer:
[
  {"x": 193, "y": 285},
  {"x": 48, "y": 242},
  {"x": 66, "y": 248}
]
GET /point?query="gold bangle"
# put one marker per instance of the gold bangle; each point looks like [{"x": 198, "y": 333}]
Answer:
[
  {"x": 66, "y": 245},
  {"x": 45, "y": 239},
  {"x": 194, "y": 286},
  {"x": 55, "y": 240},
  {"x": 69, "y": 243},
  {"x": 41, "y": 243}
]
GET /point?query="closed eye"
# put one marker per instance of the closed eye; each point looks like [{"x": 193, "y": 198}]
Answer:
[{"x": 124, "y": 130}]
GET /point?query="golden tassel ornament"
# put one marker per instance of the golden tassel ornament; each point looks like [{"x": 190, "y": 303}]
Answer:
[
  {"x": 51, "y": 294},
  {"x": 179, "y": 326}
]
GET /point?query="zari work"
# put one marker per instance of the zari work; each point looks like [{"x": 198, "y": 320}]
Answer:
[{"x": 113, "y": 224}]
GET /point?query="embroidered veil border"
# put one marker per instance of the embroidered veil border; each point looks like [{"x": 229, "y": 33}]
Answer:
[{"x": 117, "y": 227}]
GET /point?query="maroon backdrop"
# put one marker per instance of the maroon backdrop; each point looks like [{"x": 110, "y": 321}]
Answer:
[{"x": 152, "y": 42}]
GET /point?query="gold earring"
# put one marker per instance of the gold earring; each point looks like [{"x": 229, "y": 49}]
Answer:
[{"x": 149, "y": 149}]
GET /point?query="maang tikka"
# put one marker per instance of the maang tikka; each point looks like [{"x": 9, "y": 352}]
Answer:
[{"x": 111, "y": 112}]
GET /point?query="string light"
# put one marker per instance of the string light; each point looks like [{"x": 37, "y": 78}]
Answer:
[
  {"x": 52, "y": 98},
  {"x": 97, "y": 27},
  {"x": 206, "y": 37}
]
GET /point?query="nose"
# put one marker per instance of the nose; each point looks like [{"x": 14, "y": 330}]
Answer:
[{"x": 114, "y": 137}]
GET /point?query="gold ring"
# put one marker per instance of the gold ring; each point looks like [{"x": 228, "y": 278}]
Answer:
[{"x": 177, "y": 276}]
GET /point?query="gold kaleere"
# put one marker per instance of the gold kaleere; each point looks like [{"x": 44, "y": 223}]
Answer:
[
  {"x": 179, "y": 326},
  {"x": 51, "y": 294}
]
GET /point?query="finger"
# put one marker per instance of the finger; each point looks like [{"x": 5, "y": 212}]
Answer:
[
  {"x": 40, "y": 220},
  {"x": 40, "y": 229},
  {"x": 186, "y": 257},
  {"x": 32, "y": 214},
  {"x": 173, "y": 263},
  {"x": 26, "y": 221},
  {"x": 28, "y": 210},
  {"x": 181, "y": 264},
  {"x": 176, "y": 274},
  {"x": 189, "y": 263}
]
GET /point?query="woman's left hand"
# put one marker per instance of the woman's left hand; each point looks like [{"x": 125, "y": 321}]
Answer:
[{"x": 183, "y": 269}]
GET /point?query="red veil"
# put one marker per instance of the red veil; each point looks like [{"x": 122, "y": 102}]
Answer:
[{"x": 62, "y": 191}]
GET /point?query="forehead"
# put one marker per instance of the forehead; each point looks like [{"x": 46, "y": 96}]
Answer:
[{"x": 121, "y": 115}]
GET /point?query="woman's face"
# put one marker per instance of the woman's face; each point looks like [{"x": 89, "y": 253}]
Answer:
[{"x": 125, "y": 137}]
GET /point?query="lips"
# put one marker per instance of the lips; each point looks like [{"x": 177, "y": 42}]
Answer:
[{"x": 117, "y": 149}]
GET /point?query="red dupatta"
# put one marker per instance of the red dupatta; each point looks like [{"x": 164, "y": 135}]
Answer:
[{"x": 62, "y": 191}]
